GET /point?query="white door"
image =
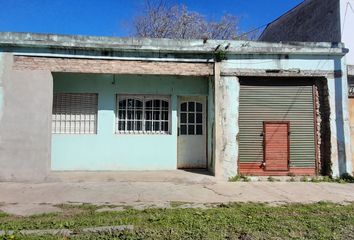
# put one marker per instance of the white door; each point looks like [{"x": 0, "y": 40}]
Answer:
[{"x": 192, "y": 132}]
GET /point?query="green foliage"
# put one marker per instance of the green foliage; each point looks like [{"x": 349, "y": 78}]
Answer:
[
  {"x": 175, "y": 204},
  {"x": 315, "y": 179},
  {"x": 220, "y": 56},
  {"x": 327, "y": 179},
  {"x": 226, "y": 221},
  {"x": 347, "y": 178},
  {"x": 292, "y": 179},
  {"x": 2, "y": 214},
  {"x": 304, "y": 179},
  {"x": 272, "y": 179},
  {"x": 9, "y": 237},
  {"x": 239, "y": 178}
]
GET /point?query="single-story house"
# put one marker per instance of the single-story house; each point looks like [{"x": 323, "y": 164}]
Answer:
[{"x": 82, "y": 103}]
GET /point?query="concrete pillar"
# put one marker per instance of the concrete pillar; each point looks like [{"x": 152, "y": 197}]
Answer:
[
  {"x": 25, "y": 122},
  {"x": 339, "y": 125},
  {"x": 226, "y": 124},
  {"x": 211, "y": 124}
]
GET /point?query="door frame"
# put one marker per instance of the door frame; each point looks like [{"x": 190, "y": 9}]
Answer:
[
  {"x": 205, "y": 98},
  {"x": 264, "y": 145}
]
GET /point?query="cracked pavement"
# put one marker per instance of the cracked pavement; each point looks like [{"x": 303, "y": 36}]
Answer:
[{"x": 34, "y": 198}]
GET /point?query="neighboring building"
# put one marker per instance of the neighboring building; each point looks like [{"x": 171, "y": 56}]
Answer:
[
  {"x": 75, "y": 103},
  {"x": 316, "y": 21},
  {"x": 320, "y": 21}
]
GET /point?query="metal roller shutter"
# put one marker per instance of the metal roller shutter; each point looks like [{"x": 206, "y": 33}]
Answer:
[
  {"x": 74, "y": 113},
  {"x": 277, "y": 100}
]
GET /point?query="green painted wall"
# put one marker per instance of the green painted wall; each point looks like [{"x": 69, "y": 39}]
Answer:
[{"x": 107, "y": 150}]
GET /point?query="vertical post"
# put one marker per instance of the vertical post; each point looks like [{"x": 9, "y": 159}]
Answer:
[
  {"x": 211, "y": 124},
  {"x": 339, "y": 124},
  {"x": 2, "y": 70},
  {"x": 226, "y": 124},
  {"x": 217, "y": 128}
]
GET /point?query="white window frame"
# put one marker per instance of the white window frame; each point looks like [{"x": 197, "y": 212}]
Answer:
[
  {"x": 195, "y": 112},
  {"x": 70, "y": 120},
  {"x": 143, "y": 99}
]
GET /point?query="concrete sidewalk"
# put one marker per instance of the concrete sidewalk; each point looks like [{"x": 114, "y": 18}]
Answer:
[{"x": 33, "y": 198}]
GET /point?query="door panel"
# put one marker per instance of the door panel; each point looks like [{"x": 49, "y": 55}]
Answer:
[
  {"x": 192, "y": 132},
  {"x": 276, "y": 146},
  {"x": 271, "y": 99}
]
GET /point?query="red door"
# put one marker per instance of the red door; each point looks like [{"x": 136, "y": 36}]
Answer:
[{"x": 276, "y": 146}]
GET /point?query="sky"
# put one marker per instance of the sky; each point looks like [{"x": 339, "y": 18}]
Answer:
[{"x": 112, "y": 17}]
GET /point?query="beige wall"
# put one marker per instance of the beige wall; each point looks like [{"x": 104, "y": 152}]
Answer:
[{"x": 25, "y": 122}]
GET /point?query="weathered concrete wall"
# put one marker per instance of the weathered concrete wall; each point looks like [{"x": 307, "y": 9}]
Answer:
[
  {"x": 226, "y": 125},
  {"x": 339, "y": 124},
  {"x": 25, "y": 122},
  {"x": 311, "y": 21},
  {"x": 211, "y": 124},
  {"x": 347, "y": 26},
  {"x": 3, "y": 68}
]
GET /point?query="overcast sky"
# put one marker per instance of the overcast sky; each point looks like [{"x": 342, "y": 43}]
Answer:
[{"x": 112, "y": 17}]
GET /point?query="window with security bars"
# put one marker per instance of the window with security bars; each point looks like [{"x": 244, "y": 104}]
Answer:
[
  {"x": 75, "y": 113},
  {"x": 142, "y": 114}
]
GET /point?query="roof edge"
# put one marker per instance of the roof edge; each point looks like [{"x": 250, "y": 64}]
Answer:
[{"x": 12, "y": 40}]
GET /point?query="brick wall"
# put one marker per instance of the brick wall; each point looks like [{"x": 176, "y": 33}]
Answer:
[
  {"x": 322, "y": 112},
  {"x": 112, "y": 66}
]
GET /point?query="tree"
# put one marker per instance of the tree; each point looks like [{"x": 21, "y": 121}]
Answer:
[{"x": 162, "y": 20}]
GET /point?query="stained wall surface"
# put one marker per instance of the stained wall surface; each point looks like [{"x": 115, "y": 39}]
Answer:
[{"x": 25, "y": 122}]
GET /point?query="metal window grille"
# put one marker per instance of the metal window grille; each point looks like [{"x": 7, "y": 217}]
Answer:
[
  {"x": 75, "y": 113},
  {"x": 142, "y": 114}
]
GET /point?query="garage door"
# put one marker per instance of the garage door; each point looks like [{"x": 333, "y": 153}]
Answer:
[{"x": 276, "y": 100}]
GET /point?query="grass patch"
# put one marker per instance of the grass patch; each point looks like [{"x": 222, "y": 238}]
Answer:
[
  {"x": 3, "y": 214},
  {"x": 272, "y": 179},
  {"x": 176, "y": 204},
  {"x": 226, "y": 221},
  {"x": 345, "y": 178},
  {"x": 304, "y": 179},
  {"x": 292, "y": 179},
  {"x": 239, "y": 178}
]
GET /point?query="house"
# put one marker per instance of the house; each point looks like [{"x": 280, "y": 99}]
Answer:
[
  {"x": 320, "y": 21},
  {"x": 83, "y": 103}
]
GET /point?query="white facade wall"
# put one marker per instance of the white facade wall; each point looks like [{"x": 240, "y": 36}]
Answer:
[{"x": 347, "y": 27}]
